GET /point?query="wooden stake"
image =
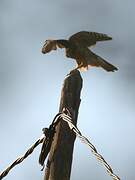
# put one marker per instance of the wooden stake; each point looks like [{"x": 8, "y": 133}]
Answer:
[{"x": 60, "y": 157}]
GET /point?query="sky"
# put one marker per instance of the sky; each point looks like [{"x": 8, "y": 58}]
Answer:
[{"x": 30, "y": 83}]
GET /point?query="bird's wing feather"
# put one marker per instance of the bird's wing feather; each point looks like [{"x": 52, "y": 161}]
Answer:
[{"x": 88, "y": 39}]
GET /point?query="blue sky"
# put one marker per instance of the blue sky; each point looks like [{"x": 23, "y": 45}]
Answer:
[{"x": 30, "y": 83}]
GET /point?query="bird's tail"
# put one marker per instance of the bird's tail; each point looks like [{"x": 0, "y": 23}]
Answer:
[
  {"x": 106, "y": 65},
  {"x": 100, "y": 62}
]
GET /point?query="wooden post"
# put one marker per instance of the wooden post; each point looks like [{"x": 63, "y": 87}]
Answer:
[{"x": 60, "y": 157}]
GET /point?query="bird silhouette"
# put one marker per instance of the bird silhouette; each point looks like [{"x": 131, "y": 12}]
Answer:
[{"x": 77, "y": 47}]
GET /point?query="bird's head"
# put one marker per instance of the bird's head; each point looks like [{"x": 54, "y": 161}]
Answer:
[{"x": 48, "y": 46}]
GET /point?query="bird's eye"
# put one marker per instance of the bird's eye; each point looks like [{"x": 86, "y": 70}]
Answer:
[{"x": 46, "y": 41}]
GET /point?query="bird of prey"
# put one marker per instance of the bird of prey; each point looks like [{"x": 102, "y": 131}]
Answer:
[{"x": 77, "y": 47}]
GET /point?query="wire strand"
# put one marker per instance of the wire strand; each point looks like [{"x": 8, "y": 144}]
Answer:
[
  {"x": 66, "y": 116},
  {"x": 98, "y": 156}
]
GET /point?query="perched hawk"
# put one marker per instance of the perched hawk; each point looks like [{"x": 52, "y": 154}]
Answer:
[{"x": 77, "y": 47}]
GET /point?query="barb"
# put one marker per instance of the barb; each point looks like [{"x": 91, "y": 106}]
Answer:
[
  {"x": 20, "y": 159},
  {"x": 99, "y": 157}
]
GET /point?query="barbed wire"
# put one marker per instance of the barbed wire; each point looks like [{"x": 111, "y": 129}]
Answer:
[
  {"x": 47, "y": 139},
  {"x": 99, "y": 157},
  {"x": 20, "y": 159}
]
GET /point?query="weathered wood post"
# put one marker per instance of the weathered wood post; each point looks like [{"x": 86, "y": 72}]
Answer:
[{"x": 60, "y": 157}]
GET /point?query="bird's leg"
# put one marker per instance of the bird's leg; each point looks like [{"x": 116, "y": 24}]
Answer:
[
  {"x": 77, "y": 68},
  {"x": 80, "y": 66}
]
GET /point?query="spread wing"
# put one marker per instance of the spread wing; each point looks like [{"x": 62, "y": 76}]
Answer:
[
  {"x": 88, "y": 39},
  {"x": 50, "y": 45}
]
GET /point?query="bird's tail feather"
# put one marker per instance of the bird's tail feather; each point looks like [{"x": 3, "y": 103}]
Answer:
[
  {"x": 96, "y": 60},
  {"x": 106, "y": 65}
]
